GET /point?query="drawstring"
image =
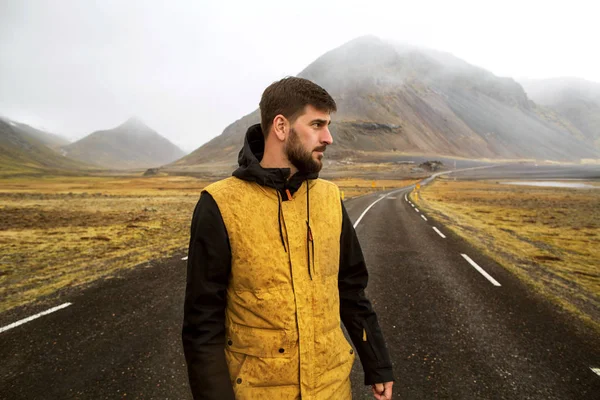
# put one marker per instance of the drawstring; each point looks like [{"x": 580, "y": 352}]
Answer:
[
  {"x": 310, "y": 243},
  {"x": 279, "y": 219},
  {"x": 278, "y": 213}
]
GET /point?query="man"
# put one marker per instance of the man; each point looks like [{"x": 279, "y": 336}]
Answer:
[{"x": 275, "y": 265}]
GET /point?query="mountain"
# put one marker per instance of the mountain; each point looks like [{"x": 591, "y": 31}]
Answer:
[
  {"x": 51, "y": 140},
  {"x": 576, "y": 100},
  {"x": 129, "y": 145},
  {"x": 394, "y": 97},
  {"x": 22, "y": 151}
]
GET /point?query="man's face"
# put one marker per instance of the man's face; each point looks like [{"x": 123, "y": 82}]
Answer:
[{"x": 309, "y": 136}]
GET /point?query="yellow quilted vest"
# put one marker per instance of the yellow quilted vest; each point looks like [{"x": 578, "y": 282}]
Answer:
[{"x": 284, "y": 339}]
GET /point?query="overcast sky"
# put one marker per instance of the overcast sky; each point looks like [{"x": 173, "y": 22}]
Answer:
[{"x": 190, "y": 68}]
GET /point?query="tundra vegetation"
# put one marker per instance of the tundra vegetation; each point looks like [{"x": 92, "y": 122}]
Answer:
[{"x": 549, "y": 237}]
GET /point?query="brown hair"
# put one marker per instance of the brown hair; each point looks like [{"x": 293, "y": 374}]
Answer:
[{"x": 288, "y": 97}]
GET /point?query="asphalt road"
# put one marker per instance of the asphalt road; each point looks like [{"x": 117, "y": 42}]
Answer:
[{"x": 451, "y": 332}]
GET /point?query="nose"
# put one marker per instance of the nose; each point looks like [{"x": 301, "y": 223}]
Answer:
[{"x": 327, "y": 139}]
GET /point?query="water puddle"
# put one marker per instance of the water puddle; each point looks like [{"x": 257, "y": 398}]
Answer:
[{"x": 571, "y": 185}]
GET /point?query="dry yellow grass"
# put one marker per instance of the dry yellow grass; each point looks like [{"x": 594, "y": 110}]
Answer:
[
  {"x": 57, "y": 232},
  {"x": 550, "y": 237}
]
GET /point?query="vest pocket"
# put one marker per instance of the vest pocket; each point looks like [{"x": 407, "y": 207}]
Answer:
[
  {"x": 265, "y": 357},
  {"x": 261, "y": 342}
]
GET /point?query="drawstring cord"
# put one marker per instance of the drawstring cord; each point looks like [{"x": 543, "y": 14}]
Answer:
[
  {"x": 310, "y": 243},
  {"x": 279, "y": 219},
  {"x": 279, "y": 214}
]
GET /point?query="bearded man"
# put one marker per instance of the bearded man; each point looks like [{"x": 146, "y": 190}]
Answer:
[{"x": 274, "y": 267}]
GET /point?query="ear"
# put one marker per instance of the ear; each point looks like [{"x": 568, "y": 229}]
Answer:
[{"x": 281, "y": 127}]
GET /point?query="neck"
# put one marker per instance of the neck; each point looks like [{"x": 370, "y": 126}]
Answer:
[{"x": 271, "y": 160}]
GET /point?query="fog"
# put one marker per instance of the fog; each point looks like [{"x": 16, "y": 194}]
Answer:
[{"x": 189, "y": 69}]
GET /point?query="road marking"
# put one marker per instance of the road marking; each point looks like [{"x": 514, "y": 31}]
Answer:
[
  {"x": 596, "y": 370},
  {"x": 481, "y": 271},
  {"x": 367, "y": 209},
  {"x": 413, "y": 206},
  {"x": 416, "y": 209},
  {"x": 372, "y": 204},
  {"x": 20, "y": 322},
  {"x": 405, "y": 198},
  {"x": 439, "y": 233},
  {"x": 185, "y": 258},
  {"x": 424, "y": 217}
]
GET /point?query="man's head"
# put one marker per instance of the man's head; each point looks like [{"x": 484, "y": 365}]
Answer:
[{"x": 295, "y": 118}]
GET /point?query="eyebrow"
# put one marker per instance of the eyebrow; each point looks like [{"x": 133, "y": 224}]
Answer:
[{"x": 321, "y": 121}]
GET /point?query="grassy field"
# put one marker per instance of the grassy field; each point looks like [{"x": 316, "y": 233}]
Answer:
[
  {"x": 59, "y": 232},
  {"x": 549, "y": 237}
]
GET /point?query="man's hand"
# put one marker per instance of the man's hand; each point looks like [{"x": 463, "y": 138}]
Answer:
[{"x": 382, "y": 391}]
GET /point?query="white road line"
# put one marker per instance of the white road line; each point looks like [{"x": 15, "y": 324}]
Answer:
[
  {"x": 372, "y": 204},
  {"x": 481, "y": 271},
  {"x": 20, "y": 322},
  {"x": 185, "y": 258},
  {"x": 413, "y": 206},
  {"x": 439, "y": 233},
  {"x": 596, "y": 370},
  {"x": 405, "y": 198},
  {"x": 367, "y": 209},
  {"x": 416, "y": 209},
  {"x": 424, "y": 217}
]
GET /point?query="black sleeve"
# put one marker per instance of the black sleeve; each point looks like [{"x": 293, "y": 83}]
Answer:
[
  {"x": 203, "y": 332},
  {"x": 356, "y": 311}
]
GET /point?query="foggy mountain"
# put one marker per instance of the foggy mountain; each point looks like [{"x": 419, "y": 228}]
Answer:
[
  {"x": 129, "y": 145},
  {"x": 24, "y": 149},
  {"x": 51, "y": 140},
  {"x": 395, "y": 97},
  {"x": 576, "y": 100}
]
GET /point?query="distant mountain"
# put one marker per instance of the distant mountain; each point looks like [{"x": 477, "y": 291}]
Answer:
[
  {"x": 22, "y": 151},
  {"x": 51, "y": 140},
  {"x": 400, "y": 98},
  {"x": 130, "y": 145},
  {"x": 577, "y": 100}
]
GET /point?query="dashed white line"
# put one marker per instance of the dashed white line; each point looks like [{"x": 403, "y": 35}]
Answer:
[
  {"x": 416, "y": 209},
  {"x": 405, "y": 198},
  {"x": 439, "y": 233},
  {"x": 481, "y": 271},
  {"x": 596, "y": 370},
  {"x": 185, "y": 258},
  {"x": 424, "y": 217},
  {"x": 413, "y": 206},
  {"x": 21, "y": 322}
]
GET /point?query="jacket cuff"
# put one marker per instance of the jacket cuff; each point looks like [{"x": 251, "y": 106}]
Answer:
[{"x": 379, "y": 375}]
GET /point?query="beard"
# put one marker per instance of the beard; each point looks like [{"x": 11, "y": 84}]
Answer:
[{"x": 300, "y": 157}]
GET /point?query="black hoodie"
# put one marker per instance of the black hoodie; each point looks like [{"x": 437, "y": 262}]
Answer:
[{"x": 209, "y": 266}]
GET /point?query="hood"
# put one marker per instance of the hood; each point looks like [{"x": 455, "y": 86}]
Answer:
[{"x": 250, "y": 169}]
